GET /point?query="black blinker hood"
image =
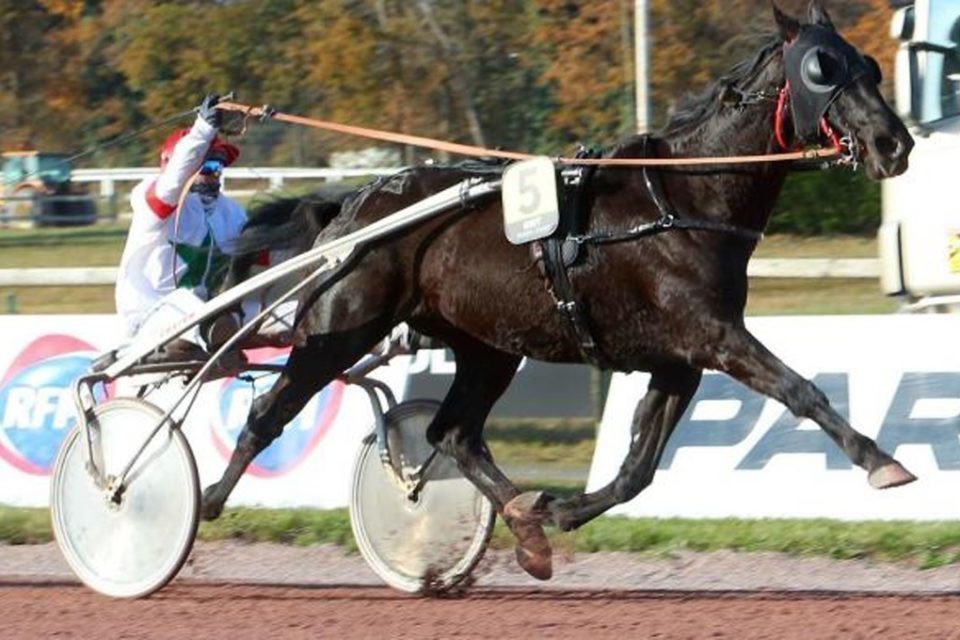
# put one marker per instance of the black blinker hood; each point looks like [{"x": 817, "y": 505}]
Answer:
[{"x": 819, "y": 65}]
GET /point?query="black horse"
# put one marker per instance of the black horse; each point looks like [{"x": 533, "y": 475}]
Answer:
[{"x": 667, "y": 298}]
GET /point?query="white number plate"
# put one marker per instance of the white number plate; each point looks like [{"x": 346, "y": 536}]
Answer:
[{"x": 530, "y": 207}]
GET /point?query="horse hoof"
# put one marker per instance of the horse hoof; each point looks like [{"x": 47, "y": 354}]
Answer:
[
  {"x": 890, "y": 475},
  {"x": 538, "y": 565},
  {"x": 210, "y": 508},
  {"x": 534, "y": 554}
]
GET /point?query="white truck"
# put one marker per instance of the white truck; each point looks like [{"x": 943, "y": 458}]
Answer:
[{"x": 919, "y": 239}]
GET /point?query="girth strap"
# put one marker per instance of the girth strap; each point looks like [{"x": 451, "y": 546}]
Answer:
[
  {"x": 565, "y": 299},
  {"x": 560, "y": 251}
]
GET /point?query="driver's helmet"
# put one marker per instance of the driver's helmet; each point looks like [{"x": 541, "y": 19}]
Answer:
[{"x": 219, "y": 148}]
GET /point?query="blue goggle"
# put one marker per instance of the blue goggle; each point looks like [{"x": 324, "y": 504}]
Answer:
[{"x": 211, "y": 166}]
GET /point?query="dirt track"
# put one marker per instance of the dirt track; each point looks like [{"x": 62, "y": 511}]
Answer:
[
  {"x": 257, "y": 612},
  {"x": 318, "y": 592}
]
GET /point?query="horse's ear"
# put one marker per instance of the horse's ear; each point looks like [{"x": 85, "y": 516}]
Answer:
[
  {"x": 816, "y": 14},
  {"x": 789, "y": 27},
  {"x": 729, "y": 96}
]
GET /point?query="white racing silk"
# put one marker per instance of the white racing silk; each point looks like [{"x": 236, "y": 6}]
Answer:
[{"x": 165, "y": 251}]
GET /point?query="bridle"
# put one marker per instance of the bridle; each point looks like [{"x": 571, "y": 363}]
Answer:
[
  {"x": 845, "y": 147},
  {"x": 818, "y": 67}
]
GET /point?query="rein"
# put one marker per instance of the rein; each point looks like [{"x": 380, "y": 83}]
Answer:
[{"x": 266, "y": 113}]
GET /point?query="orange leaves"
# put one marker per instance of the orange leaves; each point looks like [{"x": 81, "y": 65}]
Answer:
[
  {"x": 521, "y": 74},
  {"x": 871, "y": 34},
  {"x": 588, "y": 63}
]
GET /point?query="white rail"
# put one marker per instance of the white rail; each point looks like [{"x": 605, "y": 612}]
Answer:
[
  {"x": 859, "y": 268},
  {"x": 275, "y": 176},
  {"x": 85, "y": 276},
  {"x": 814, "y": 268}
]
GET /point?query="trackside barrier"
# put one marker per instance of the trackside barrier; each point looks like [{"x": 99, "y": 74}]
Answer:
[
  {"x": 104, "y": 205},
  {"x": 309, "y": 466},
  {"x": 734, "y": 453},
  {"x": 759, "y": 268},
  {"x": 40, "y": 356},
  {"x": 275, "y": 177}
]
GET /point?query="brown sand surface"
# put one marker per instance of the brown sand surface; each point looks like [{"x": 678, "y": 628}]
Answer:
[{"x": 237, "y": 591}]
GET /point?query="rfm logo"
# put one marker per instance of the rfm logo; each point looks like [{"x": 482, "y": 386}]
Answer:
[
  {"x": 36, "y": 406},
  {"x": 299, "y": 437},
  {"x": 936, "y": 394}
]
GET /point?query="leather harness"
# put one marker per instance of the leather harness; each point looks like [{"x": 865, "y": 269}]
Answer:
[{"x": 557, "y": 253}]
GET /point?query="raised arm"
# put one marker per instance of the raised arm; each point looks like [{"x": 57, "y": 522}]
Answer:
[{"x": 181, "y": 158}]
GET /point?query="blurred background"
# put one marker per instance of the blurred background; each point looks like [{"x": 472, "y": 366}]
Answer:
[{"x": 538, "y": 76}]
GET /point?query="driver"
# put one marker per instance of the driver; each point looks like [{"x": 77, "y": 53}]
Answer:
[{"x": 177, "y": 249}]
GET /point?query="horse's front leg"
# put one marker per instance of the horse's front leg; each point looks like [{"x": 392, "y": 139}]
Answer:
[
  {"x": 657, "y": 414},
  {"x": 739, "y": 354}
]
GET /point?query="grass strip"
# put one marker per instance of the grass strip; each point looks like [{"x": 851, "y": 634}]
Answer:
[
  {"x": 921, "y": 544},
  {"x": 24, "y": 526},
  {"x": 299, "y": 527},
  {"x": 107, "y": 234}
]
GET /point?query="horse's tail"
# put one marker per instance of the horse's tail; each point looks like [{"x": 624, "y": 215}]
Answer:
[{"x": 286, "y": 225}]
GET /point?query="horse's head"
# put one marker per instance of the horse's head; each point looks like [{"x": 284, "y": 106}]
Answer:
[{"x": 834, "y": 91}]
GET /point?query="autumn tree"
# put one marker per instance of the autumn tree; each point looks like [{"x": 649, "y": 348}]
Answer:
[
  {"x": 535, "y": 76},
  {"x": 24, "y": 72},
  {"x": 588, "y": 57}
]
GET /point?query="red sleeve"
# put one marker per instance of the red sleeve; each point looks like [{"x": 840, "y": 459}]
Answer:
[
  {"x": 263, "y": 259},
  {"x": 158, "y": 206}
]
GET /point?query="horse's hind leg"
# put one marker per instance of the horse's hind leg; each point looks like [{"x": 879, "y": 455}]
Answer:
[
  {"x": 483, "y": 374},
  {"x": 308, "y": 370},
  {"x": 743, "y": 357},
  {"x": 657, "y": 414}
]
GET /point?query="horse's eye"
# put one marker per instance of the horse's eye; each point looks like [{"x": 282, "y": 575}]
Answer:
[
  {"x": 874, "y": 67},
  {"x": 822, "y": 68}
]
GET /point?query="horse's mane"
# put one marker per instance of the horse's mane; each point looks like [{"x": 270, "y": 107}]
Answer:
[{"x": 696, "y": 108}]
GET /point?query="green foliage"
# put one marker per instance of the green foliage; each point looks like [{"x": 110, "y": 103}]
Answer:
[
  {"x": 827, "y": 202},
  {"x": 503, "y": 73}
]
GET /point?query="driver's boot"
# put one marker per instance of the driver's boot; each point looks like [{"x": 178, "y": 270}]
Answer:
[{"x": 217, "y": 334}]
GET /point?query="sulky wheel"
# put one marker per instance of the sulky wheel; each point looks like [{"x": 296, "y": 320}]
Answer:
[
  {"x": 131, "y": 547},
  {"x": 430, "y": 543}
]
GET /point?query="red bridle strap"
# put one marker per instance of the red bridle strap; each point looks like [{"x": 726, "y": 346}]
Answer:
[
  {"x": 831, "y": 135},
  {"x": 780, "y": 118}
]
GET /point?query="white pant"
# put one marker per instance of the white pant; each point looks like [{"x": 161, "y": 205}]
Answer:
[
  {"x": 168, "y": 312},
  {"x": 174, "y": 308}
]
